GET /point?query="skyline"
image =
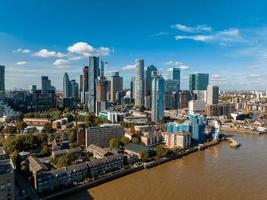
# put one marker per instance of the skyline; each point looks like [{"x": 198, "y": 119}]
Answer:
[{"x": 198, "y": 37}]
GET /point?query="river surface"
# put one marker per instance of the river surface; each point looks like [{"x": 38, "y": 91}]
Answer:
[{"x": 217, "y": 173}]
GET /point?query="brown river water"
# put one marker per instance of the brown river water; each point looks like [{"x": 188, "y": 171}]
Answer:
[{"x": 217, "y": 173}]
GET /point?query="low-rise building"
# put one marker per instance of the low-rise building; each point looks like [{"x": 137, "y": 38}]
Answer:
[
  {"x": 35, "y": 165},
  {"x": 7, "y": 180},
  {"x": 135, "y": 120},
  {"x": 135, "y": 149},
  {"x": 150, "y": 138},
  {"x": 69, "y": 176},
  {"x": 76, "y": 151},
  {"x": 177, "y": 140},
  {"x": 36, "y": 121},
  {"x": 98, "y": 152}
]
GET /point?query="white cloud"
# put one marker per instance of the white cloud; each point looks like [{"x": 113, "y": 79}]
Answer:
[
  {"x": 129, "y": 67},
  {"x": 184, "y": 67},
  {"x": 192, "y": 29},
  {"x": 86, "y": 49},
  {"x": 22, "y": 63},
  {"x": 177, "y": 64},
  {"x": 22, "y": 51},
  {"x": 222, "y": 37},
  {"x": 60, "y": 62},
  {"x": 44, "y": 53},
  {"x": 173, "y": 63},
  {"x": 159, "y": 34}
]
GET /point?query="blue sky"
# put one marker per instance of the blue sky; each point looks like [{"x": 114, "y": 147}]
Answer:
[{"x": 227, "y": 39}]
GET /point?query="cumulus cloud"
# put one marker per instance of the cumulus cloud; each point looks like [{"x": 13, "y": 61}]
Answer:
[
  {"x": 22, "y": 51},
  {"x": 61, "y": 62},
  {"x": 129, "y": 67},
  {"x": 44, "y": 53},
  {"x": 22, "y": 63},
  {"x": 177, "y": 64},
  {"x": 192, "y": 29},
  {"x": 86, "y": 49}
]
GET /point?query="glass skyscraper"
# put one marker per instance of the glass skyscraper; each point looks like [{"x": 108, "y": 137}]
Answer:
[
  {"x": 198, "y": 81},
  {"x": 158, "y": 101},
  {"x": 148, "y": 79},
  {"x": 2, "y": 82},
  {"x": 92, "y": 78}
]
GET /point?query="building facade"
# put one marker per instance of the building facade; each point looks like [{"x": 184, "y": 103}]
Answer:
[
  {"x": 158, "y": 100},
  {"x": 139, "y": 83}
]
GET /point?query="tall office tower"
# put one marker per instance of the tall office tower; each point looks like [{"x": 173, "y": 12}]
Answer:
[
  {"x": 46, "y": 85},
  {"x": 2, "y": 82},
  {"x": 184, "y": 98},
  {"x": 33, "y": 88},
  {"x": 102, "y": 68},
  {"x": 139, "y": 83},
  {"x": 198, "y": 81},
  {"x": 92, "y": 78},
  {"x": 101, "y": 94},
  {"x": 132, "y": 87},
  {"x": 148, "y": 79},
  {"x": 81, "y": 83},
  {"x": 116, "y": 85},
  {"x": 74, "y": 89},
  {"x": 158, "y": 102},
  {"x": 173, "y": 74},
  {"x": 212, "y": 94},
  {"x": 66, "y": 86},
  {"x": 173, "y": 85},
  {"x": 85, "y": 78}
]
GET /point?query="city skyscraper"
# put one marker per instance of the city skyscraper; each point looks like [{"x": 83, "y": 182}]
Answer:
[
  {"x": 46, "y": 84},
  {"x": 198, "y": 81},
  {"x": 74, "y": 89},
  {"x": 92, "y": 78},
  {"x": 158, "y": 101},
  {"x": 2, "y": 82},
  {"x": 132, "y": 87},
  {"x": 66, "y": 86},
  {"x": 139, "y": 83},
  {"x": 148, "y": 81},
  {"x": 173, "y": 74},
  {"x": 116, "y": 85},
  {"x": 212, "y": 94}
]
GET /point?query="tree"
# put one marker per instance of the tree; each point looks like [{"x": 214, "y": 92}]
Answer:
[
  {"x": 125, "y": 140},
  {"x": 145, "y": 155},
  {"x": 48, "y": 128},
  {"x": 20, "y": 126},
  {"x": 65, "y": 160},
  {"x": 69, "y": 117},
  {"x": 10, "y": 130},
  {"x": 114, "y": 143},
  {"x": 45, "y": 151},
  {"x": 72, "y": 135},
  {"x": 161, "y": 151},
  {"x": 136, "y": 140}
]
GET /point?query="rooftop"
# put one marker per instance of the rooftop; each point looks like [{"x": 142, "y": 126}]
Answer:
[{"x": 138, "y": 148}]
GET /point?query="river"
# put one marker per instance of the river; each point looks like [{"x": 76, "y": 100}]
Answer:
[{"x": 217, "y": 173}]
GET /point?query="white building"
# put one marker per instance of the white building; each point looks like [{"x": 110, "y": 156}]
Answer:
[
  {"x": 196, "y": 106},
  {"x": 177, "y": 140}
]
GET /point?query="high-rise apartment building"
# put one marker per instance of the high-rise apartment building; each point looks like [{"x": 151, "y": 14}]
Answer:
[
  {"x": 66, "y": 86},
  {"x": 139, "y": 83},
  {"x": 2, "y": 82},
  {"x": 158, "y": 102},
  {"x": 212, "y": 94},
  {"x": 148, "y": 87},
  {"x": 92, "y": 78}
]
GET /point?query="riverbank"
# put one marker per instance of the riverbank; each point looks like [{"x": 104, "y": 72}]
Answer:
[
  {"x": 240, "y": 131},
  {"x": 122, "y": 173}
]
